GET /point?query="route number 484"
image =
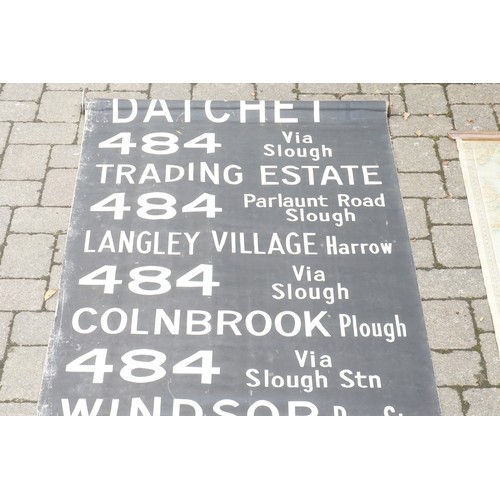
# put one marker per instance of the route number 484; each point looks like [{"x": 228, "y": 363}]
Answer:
[
  {"x": 160, "y": 143},
  {"x": 141, "y": 366}
]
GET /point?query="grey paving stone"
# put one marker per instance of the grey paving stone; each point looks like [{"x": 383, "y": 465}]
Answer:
[
  {"x": 473, "y": 117},
  {"x": 447, "y": 149},
  {"x": 81, "y": 130},
  {"x": 21, "y": 294},
  {"x": 13, "y": 193},
  {"x": 449, "y": 324},
  {"x": 425, "y": 99},
  {"x": 457, "y": 368},
  {"x": 430, "y": 126},
  {"x": 451, "y": 406},
  {"x": 55, "y": 278},
  {"x": 40, "y": 220},
  {"x": 454, "y": 179},
  {"x": 489, "y": 348},
  {"x": 22, "y": 373},
  {"x": 455, "y": 246},
  {"x": 27, "y": 256},
  {"x": 59, "y": 188},
  {"x": 32, "y": 328},
  {"x": 328, "y": 88},
  {"x": 171, "y": 91},
  {"x": 482, "y": 314},
  {"x": 415, "y": 154},
  {"x": 116, "y": 95},
  {"x": 449, "y": 211},
  {"x": 21, "y": 91},
  {"x": 422, "y": 253},
  {"x": 278, "y": 91},
  {"x": 24, "y": 162},
  {"x": 43, "y": 133},
  {"x": 451, "y": 283},
  {"x": 416, "y": 218},
  {"x": 4, "y": 133},
  {"x": 474, "y": 93},
  {"x": 5, "y": 214},
  {"x": 381, "y": 88},
  {"x": 421, "y": 185},
  {"x": 65, "y": 156},
  {"x": 483, "y": 402},
  {"x": 5, "y": 322},
  {"x": 77, "y": 86},
  {"x": 18, "y": 111},
  {"x": 224, "y": 91},
  {"x": 319, "y": 97},
  {"x": 129, "y": 86},
  {"x": 60, "y": 106},
  {"x": 396, "y": 105},
  {"x": 60, "y": 249},
  {"x": 18, "y": 409}
]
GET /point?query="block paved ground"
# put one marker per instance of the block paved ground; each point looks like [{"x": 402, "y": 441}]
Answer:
[{"x": 40, "y": 135}]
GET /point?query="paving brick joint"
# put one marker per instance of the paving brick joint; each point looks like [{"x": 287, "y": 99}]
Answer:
[{"x": 40, "y": 135}]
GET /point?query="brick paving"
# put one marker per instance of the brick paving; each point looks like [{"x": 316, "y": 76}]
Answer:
[{"x": 40, "y": 133}]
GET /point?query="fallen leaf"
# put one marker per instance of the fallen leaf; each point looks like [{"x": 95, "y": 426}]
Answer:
[
  {"x": 470, "y": 120},
  {"x": 419, "y": 133},
  {"x": 49, "y": 293},
  {"x": 406, "y": 115}
]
